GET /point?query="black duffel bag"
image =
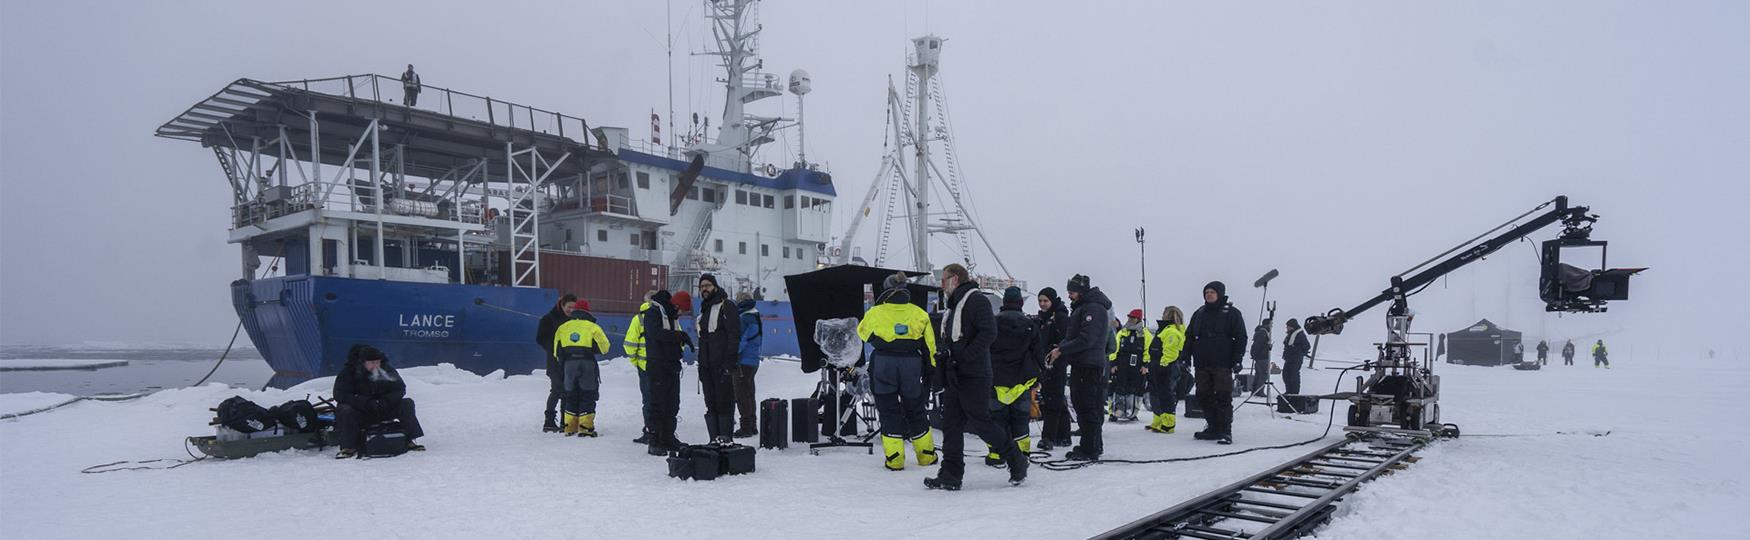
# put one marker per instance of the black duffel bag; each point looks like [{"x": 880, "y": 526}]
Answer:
[
  {"x": 385, "y": 439},
  {"x": 297, "y": 416},
  {"x": 243, "y": 416}
]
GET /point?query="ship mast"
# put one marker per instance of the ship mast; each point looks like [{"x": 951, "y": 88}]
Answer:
[
  {"x": 917, "y": 123},
  {"x": 923, "y": 67},
  {"x": 735, "y": 26}
]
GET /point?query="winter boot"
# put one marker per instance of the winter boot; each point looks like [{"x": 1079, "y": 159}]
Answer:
[
  {"x": 711, "y": 427},
  {"x": 1169, "y": 422},
  {"x": 570, "y": 424},
  {"x": 586, "y": 425},
  {"x": 725, "y": 429},
  {"x": 1225, "y": 438},
  {"x": 1045, "y": 444},
  {"x": 925, "y": 446},
  {"x": 644, "y": 437},
  {"x": 945, "y": 479},
  {"x": 893, "y": 451},
  {"x": 994, "y": 459},
  {"x": 549, "y": 425},
  {"x": 748, "y": 430},
  {"x": 1080, "y": 454},
  {"x": 1017, "y": 468}
]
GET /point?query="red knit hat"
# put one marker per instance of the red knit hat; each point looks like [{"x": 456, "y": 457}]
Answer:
[
  {"x": 682, "y": 301},
  {"x": 580, "y": 304},
  {"x": 1136, "y": 314}
]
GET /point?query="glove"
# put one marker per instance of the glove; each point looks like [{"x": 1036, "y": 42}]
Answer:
[
  {"x": 933, "y": 377},
  {"x": 687, "y": 341}
]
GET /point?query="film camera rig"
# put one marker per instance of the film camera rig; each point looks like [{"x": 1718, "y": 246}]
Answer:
[{"x": 1401, "y": 394}]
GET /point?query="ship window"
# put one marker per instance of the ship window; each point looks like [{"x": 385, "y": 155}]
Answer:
[
  {"x": 744, "y": 248},
  {"x": 620, "y": 181},
  {"x": 635, "y": 239},
  {"x": 740, "y": 197},
  {"x": 643, "y": 180},
  {"x": 649, "y": 240},
  {"x": 693, "y": 194},
  {"x": 765, "y": 250},
  {"x": 771, "y": 202},
  {"x": 786, "y": 252},
  {"x": 708, "y": 195},
  {"x": 717, "y": 245},
  {"x": 601, "y": 235},
  {"x": 790, "y": 201}
]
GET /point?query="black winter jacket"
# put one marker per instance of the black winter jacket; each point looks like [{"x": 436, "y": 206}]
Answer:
[
  {"x": 1087, "y": 332},
  {"x": 1016, "y": 356},
  {"x": 547, "y": 327},
  {"x": 1216, "y": 337},
  {"x": 1296, "y": 347},
  {"x": 662, "y": 343},
  {"x": 379, "y": 395},
  {"x": 969, "y": 355},
  {"x": 1051, "y": 324},
  {"x": 720, "y": 348}
]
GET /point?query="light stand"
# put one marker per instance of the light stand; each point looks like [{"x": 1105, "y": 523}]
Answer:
[
  {"x": 1143, "y": 246},
  {"x": 831, "y": 390}
]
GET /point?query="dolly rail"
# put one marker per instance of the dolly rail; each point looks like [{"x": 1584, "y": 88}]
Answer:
[{"x": 1319, "y": 478}]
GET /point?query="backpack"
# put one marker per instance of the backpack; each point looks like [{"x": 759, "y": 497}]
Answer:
[
  {"x": 296, "y": 416},
  {"x": 243, "y": 415}
]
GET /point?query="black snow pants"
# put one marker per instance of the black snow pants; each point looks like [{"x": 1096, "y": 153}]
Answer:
[{"x": 898, "y": 384}]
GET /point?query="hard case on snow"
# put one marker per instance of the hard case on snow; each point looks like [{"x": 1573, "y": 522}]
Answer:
[
  {"x": 775, "y": 424},
  {"x": 805, "y": 420}
]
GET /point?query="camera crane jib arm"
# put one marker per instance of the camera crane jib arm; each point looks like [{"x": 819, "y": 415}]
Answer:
[{"x": 1577, "y": 228}]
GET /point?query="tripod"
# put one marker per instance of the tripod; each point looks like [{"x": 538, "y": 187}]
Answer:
[{"x": 832, "y": 393}]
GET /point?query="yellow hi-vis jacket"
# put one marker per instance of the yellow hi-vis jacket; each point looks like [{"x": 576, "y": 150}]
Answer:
[
  {"x": 634, "y": 343},
  {"x": 888, "y": 320},
  {"x": 1123, "y": 334},
  {"x": 1169, "y": 342},
  {"x": 580, "y": 333}
]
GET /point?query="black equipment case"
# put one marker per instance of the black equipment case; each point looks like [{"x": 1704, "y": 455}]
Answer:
[{"x": 775, "y": 423}]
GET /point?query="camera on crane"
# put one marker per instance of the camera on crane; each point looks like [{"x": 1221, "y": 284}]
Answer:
[{"x": 1568, "y": 288}]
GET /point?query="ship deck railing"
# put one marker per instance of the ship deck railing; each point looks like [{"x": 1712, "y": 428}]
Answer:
[
  {"x": 497, "y": 112},
  {"x": 323, "y": 195}
]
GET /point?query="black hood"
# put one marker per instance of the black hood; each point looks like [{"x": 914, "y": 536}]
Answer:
[
  {"x": 1220, "y": 291},
  {"x": 1095, "y": 295},
  {"x": 900, "y": 295},
  {"x": 356, "y": 356}
]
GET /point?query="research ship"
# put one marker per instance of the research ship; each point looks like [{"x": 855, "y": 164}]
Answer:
[{"x": 440, "y": 230}]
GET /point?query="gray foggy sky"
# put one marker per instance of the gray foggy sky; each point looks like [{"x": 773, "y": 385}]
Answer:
[{"x": 1340, "y": 143}]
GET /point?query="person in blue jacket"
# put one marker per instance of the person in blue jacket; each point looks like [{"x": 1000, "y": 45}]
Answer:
[{"x": 752, "y": 337}]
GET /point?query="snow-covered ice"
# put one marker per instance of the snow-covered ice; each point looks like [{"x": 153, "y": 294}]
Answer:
[
  {"x": 37, "y": 364},
  {"x": 1665, "y": 469}
]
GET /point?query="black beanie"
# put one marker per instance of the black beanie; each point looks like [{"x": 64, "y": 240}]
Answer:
[
  {"x": 1012, "y": 297},
  {"x": 713, "y": 279},
  {"x": 1049, "y": 292},
  {"x": 1079, "y": 284}
]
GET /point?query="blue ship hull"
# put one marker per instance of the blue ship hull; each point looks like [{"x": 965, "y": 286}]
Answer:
[{"x": 303, "y": 325}]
